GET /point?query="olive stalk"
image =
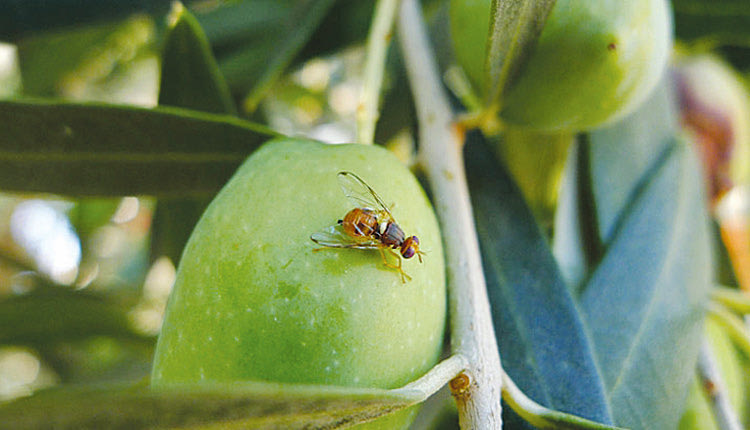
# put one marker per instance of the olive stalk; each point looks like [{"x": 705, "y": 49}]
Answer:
[
  {"x": 472, "y": 333},
  {"x": 377, "y": 48},
  {"x": 713, "y": 383}
]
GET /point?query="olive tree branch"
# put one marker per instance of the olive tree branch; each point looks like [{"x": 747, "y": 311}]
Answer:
[
  {"x": 472, "y": 333},
  {"x": 377, "y": 48},
  {"x": 713, "y": 384}
]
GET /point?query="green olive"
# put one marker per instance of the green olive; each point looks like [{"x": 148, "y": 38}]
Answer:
[
  {"x": 256, "y": 299},
  {"x": 595, "y": 61}
]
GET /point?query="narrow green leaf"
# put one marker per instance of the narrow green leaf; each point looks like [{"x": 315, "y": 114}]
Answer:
[
  {"x": 247, "y": 35},
  {"x": 542, "y": 340},
  {"x": 733, "y": 298},
  {"x": 45, "y": 59},
  {"x": 89, "y": 214},
  {"x": 723, "y": 22},
  {"x": 233, "y": 23},
  {"x": 53, "y": 314},
  {"x": 306, "y": 20},
  {"x": 190, "y": 77},
  {"x": 643, "y": 305},
  {"x": 20, "y": 18},
  {"x": 238, "y": 405},
  {"x": 91, "y": 149},
  {"x": 172, "y": 224},
  {"x": 515, "y": 26}
]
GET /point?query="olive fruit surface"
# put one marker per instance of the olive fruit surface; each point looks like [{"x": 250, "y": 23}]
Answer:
[
  {"x": 595, "y": 61},
  {"x": 254, "y": 300}
]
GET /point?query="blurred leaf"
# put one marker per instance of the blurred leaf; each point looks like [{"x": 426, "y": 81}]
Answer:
[
  {"x": 19, "y": 18},
  {"x": 98, "y": 359},
  {"x": 46, "y": 58},
  {"x": 515, "y": 26},
  {"x": 644, "y": 303},
  {"x": 190, "y": 77},
  {"x": 542, "y": 340},
  {"x": 698, "y": 414},
  {"x": 347, "y": 23},
  {"x": 91, "y": 149},
  {"x": 725, "y": 22},
  {"x": 622, "y": 155},
  {"x": 52, "y": 314},
  {"x": 602, "y": 175},
  {"x": 258, "y": 62},
  {"x": 233, "y": 24},
  {"x": 87, "y": 61},
  {"x": 306, "y": 19},
  {"x": 173, "y": 222},
  {"x": 89, "y": 214},
  {"x": 246, "y": 35},
  {"x": 237, "y": 405}
]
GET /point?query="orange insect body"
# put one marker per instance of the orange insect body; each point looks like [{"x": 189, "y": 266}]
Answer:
[
  {"x": 360, "y": 222},
  {"x": 368, "y": 226},
  {"x": 366, "y": 223}
]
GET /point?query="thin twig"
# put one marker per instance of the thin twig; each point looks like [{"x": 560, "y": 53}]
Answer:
[
  {"x": 441, "y": 144},
  {"x": 377, "y": 48},
  {"x": 437, "y": 377},
  {"x": 714, "y": 386}
]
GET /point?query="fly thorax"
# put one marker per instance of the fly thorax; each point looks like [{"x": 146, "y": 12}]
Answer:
[{"x": 392, "y": 235}]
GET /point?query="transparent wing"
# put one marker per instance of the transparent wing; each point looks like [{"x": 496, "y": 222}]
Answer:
[
  {"x": 360, "y": 194},
  {"x": 335, "y": 237}
]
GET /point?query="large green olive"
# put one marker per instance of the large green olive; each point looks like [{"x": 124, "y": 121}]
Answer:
[
  {"x": 595, "y": 61},
  {"x": 254, "y": 299}
]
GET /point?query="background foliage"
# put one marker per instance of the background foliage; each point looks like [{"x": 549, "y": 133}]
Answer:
[{"x": 104, "y": 100}]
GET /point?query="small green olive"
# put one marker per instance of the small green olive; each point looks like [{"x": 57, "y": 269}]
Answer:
[
  {"x": 256, "y": 300},
  {"x": 595, "y": 61}
]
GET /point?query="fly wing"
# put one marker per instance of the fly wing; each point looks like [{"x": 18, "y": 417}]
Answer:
[
  {"x": 361, "y": 194},
  {"x": 335, "y": 237}
]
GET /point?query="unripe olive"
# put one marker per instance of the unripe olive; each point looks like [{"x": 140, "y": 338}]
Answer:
[
  {"x": 256, "y": 300},
  {"x": 595, "y": 60}
]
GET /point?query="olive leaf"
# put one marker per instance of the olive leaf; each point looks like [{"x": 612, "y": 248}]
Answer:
[
  {"x": 644, "y": 298},
  {"x": 105, "y": 150},
  {"x": 515, "y": 26},
  {"x": 18, "y": 19},
  {"x": 240, "y": 405},
  {"x": 51, "y": 314},
  {"x": 722, "y": 21},
  {"x": 620, "y": 346},
  {"x": 190, "y": 78},
  {"x": 622, "y": 155},
  {"x": 256, "y": 64},
  {"x": 237, "y": 405},
  {"x": 542, "y": 339}
]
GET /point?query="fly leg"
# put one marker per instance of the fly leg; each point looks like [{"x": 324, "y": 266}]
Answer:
[{"x": 404, "y": 276}]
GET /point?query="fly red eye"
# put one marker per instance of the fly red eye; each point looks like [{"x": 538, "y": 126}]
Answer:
[{"x": 408, "y": 252}]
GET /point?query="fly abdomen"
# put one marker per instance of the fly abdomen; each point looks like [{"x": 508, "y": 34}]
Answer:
[{"x": 360, "y": 222}]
